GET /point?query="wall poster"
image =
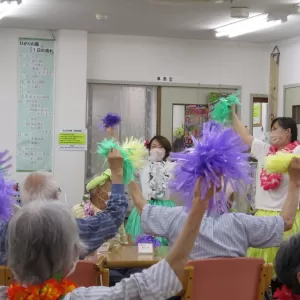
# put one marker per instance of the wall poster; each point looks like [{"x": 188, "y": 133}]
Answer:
[
  {"x": 195, "y": 116},
  {"x": 35, "y": 105}
]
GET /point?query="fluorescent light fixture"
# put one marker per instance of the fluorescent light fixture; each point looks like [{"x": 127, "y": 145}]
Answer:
[
  {"x": 256, "y": 23},
  {"x": 7, "y": 8}
]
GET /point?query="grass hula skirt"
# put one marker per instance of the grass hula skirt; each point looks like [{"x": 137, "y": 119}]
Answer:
[
  {"x": 268, "y": 254},
  {"x": 133, "y": 225}
]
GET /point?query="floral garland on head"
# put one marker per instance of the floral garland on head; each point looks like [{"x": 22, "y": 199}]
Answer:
[
  {"x": 51, "y": 289},
  {"x": 285, "y": 294}
]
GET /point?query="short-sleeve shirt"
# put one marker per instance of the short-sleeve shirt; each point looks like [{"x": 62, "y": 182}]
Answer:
[{"x": 272, "y": 199}]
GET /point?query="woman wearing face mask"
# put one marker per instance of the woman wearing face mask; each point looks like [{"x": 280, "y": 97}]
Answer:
[
  {"x": 271, "y": 189},
  {"x": 99, "y": 192},
  {"x": 154, "y": 179}
]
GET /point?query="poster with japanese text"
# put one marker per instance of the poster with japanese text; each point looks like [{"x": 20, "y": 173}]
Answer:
[
  {"x": 35, "y": 105},
  {"x": 195, "y": 116}
]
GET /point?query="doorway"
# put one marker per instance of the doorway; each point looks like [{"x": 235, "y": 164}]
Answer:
[
  {"x": 259, "y": 120},
  {"x": 292, "y": 103}
]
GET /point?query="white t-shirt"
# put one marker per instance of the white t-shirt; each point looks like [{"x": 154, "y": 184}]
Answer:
[{"x": 271, "y": 199}]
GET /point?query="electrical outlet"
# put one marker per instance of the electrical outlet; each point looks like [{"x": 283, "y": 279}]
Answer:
[
  {"x": 158, "y": 78},
  {"x": 170, "y": 79},
  {"x": 165, "y": 79}
]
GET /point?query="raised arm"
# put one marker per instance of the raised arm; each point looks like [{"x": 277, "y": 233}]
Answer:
[
  {"x": 94, "y": 231},
  {"x": 240, "y": 128},
  {"x": 291, "y": 204},
  {"x": 161, "y": 281},
  {"x": 137, "y": 196}
]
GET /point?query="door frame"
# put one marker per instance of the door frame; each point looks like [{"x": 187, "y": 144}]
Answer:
[
  {"x": 285, "y": 87},
  {"x": 252, "y": 96}
]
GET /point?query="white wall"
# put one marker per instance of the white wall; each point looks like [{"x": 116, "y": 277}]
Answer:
[
  {"x": 289, "y": 67},
  {"x": 70, "y": 101},
  {"x": 112, "y": 57},
  {"x": 9, "y": 88},
  {"x": 121, "y": 58}
]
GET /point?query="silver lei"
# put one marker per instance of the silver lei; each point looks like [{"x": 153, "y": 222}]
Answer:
[{"x": 158, "y": 180}]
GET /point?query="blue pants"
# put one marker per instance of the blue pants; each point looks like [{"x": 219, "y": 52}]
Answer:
[{"x": 116, "y": 275}]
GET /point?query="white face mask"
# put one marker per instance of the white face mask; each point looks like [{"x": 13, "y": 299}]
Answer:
[
  {"x": 278, "y": 138},
  {"x": 157, "y": 154}
]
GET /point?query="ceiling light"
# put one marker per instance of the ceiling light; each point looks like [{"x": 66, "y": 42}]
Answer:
[
  {"x": 7, "y": 7},
  {"x": 256, "y": 23},
  {"x": 101, "y": 17}
]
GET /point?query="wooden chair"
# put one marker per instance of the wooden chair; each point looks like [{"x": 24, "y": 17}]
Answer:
[
  {"x": 187, "y": 283},
  {"x": 230, "y": 279},
  {"x": 86, "y": 274},
  {"x": 6, "y": 276}
]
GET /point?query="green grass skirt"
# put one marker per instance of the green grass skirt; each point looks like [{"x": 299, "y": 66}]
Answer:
[
  {"x": 133, "y": 225},
  {"x": 268, "y": 254}
]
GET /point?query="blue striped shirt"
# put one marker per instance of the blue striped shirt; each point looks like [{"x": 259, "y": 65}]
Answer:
[
  {"x": 229, "y": 235},
  {"x": 93, "y": 231},
  {"x": 156, "y": 283}
]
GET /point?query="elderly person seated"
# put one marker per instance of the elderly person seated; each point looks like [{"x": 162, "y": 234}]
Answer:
[
  {"x": 287, "y": 267},
  {"x": 99, "y": 190},
  {"x": 230, "y": 234},
  {"x": 44, "y": 247},
  {"x": 93, "y": 231}
]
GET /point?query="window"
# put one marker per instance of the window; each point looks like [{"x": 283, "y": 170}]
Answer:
[{"x": 135, "y": 104}]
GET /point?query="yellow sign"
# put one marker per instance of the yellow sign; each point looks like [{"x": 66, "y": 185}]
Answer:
[{"x": 72, "y": 139}]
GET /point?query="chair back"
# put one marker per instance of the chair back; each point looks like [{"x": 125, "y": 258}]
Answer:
[
  {"x": 6, "y": 276},
  {"x": 229, "y": 279},
  {"x": 86, "y": 274}
]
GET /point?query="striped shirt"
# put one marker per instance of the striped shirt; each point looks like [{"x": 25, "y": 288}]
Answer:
[
  {"x": 156, "y": 283},
  {"x": 229, "y": 235},
  {"x": 119, "y": 239},
  {"x": 93, "y": 231}
]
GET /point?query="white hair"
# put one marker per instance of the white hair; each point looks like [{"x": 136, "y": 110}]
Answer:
[
  {"x": 38, "y": 186},
  {"x": 43, "y": 241}
]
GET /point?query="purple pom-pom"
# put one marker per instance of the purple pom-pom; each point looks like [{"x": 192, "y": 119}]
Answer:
[
  {"x": 147, "y": 239},
  {"x": 110, "y": 120},
  {"x": 219, "y": 151},
  {"x": 7, "y": 193}
]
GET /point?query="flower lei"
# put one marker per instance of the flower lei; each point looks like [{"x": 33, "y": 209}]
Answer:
[
  {"x": 158, "y": 179},
  {"x": 51, "y": 289},
  {"x": 88, "y": 208},
  {"x": 285, "y": 294}
]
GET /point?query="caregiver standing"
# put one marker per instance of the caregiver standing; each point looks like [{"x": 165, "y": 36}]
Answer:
[{"x": 271, "y": 189}]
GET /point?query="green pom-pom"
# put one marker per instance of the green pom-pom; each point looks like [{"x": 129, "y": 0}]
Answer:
[
  {"x": 128, "y": 169},
  {"x": 221, "y": 111}
]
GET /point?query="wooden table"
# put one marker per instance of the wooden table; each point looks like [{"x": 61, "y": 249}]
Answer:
[{"x": 128, "y": 257}]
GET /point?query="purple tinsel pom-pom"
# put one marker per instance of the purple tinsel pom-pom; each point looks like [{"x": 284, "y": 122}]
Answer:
[
  {"x": 218, "y": 151},
  {"x": 7, "y": 191},
  {"x": 110, "y": 120},
  {"x": 147, "y": 239}
]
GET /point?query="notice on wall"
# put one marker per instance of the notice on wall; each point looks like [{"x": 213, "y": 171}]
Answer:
[
  {"x": 72, "y": 139},
  {"x": 35, "y": 105}
]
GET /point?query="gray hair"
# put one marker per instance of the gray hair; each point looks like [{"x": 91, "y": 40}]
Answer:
[
  {"x": 38, "y": 186},
  {"x": 287, "y": 263},
  {"x": 42, "y": 242}
]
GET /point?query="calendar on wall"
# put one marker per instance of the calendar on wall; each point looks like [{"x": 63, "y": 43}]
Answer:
[{"x": 35, "y": 105}]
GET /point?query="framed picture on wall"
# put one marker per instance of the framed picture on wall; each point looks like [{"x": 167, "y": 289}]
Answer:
[{"x": 257, "y": 114}]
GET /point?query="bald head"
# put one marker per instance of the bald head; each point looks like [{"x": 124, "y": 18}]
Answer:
[{"x": 38, "y": 186}]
